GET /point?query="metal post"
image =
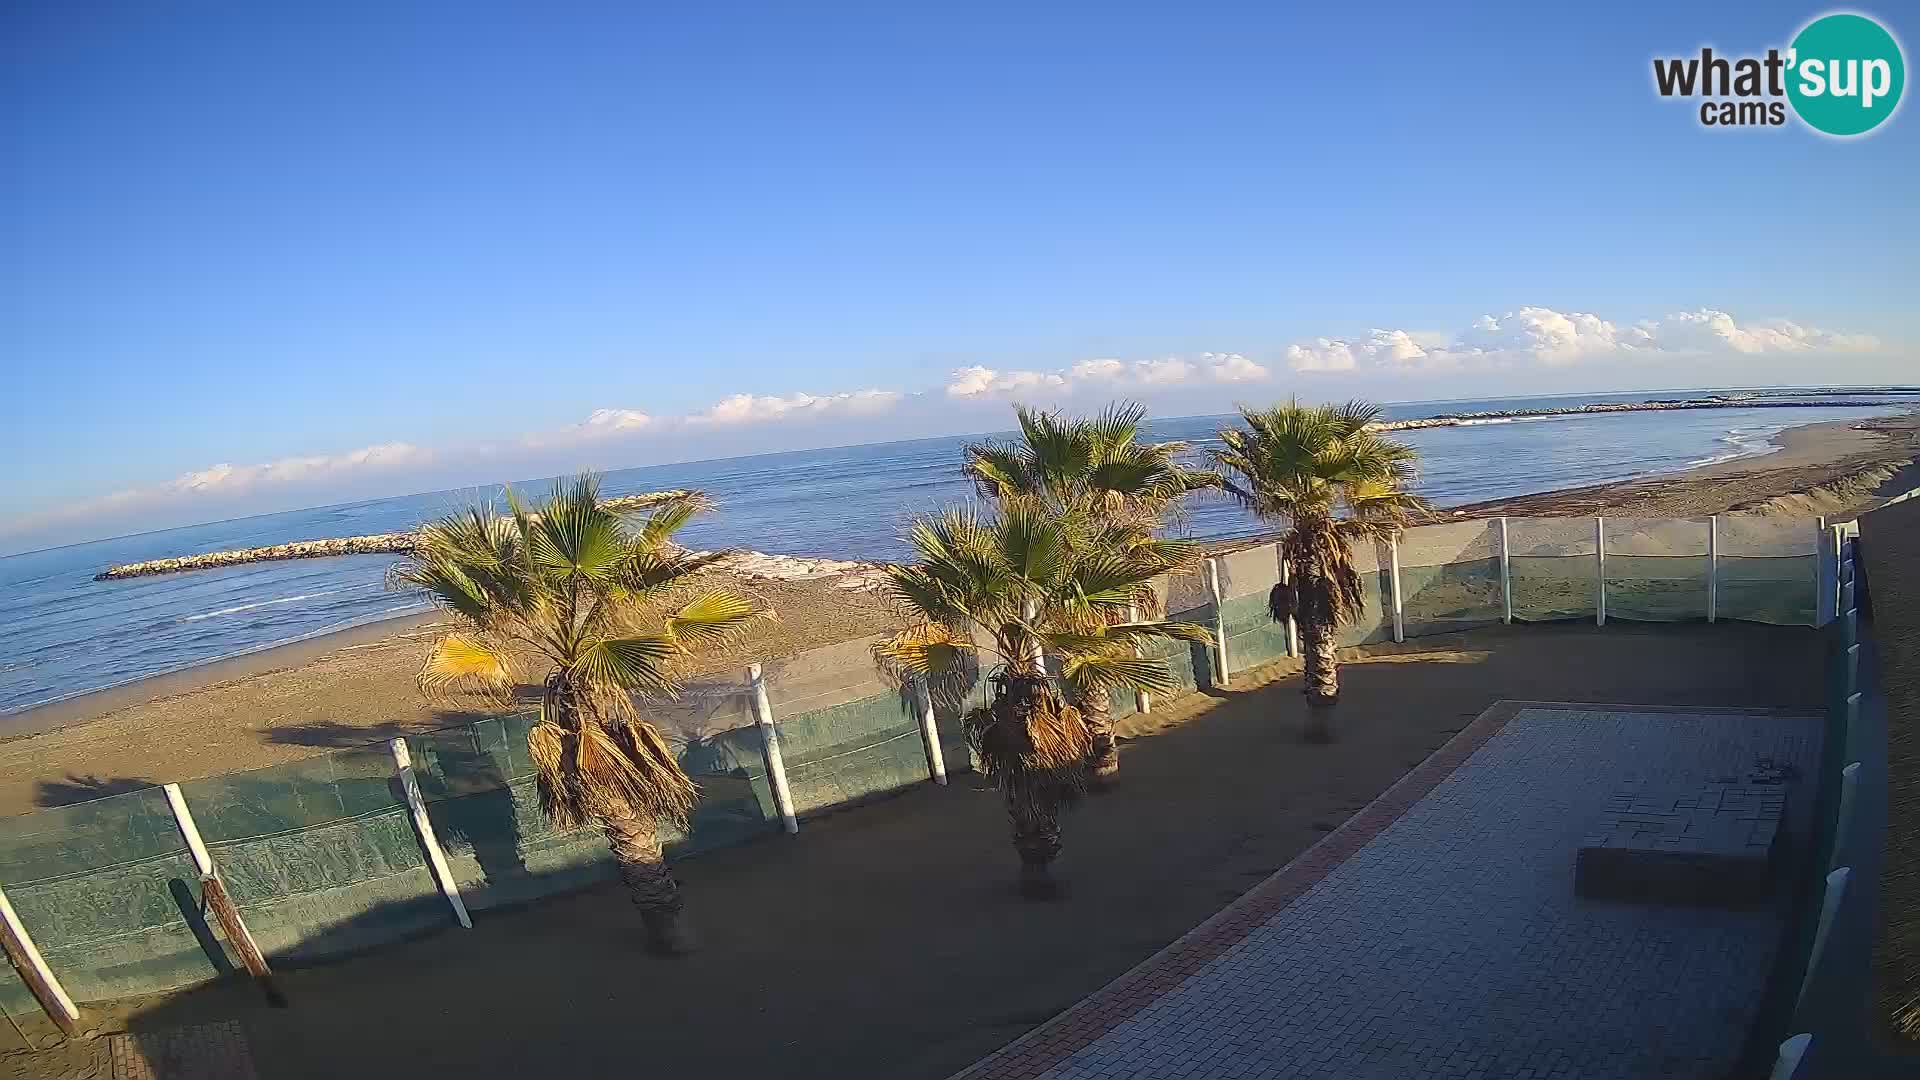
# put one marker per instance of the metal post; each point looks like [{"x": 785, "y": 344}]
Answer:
[
  {"x": 929, "y": 732},
  {"x": 770, "y": 743},
  {"x": 1219, "y": 622},
  {"x": 1393, "y": 582},
  {"x": 1713, "y": 567},
  {"x": 423, "y": 825},
  {"x": 1599, "y": 571},
  {"x": 34, "y": 971},
  {"x": 1506, "y": 574},
  {"x": 1142, "y": 699}
]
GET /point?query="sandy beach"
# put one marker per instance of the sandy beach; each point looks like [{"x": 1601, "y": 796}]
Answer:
[{"x": 356, "y": 686}]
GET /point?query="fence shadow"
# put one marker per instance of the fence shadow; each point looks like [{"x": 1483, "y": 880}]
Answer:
[{"x": 78, "y": 788}]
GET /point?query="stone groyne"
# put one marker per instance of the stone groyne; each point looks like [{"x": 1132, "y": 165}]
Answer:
[
  {"x": 1672, "y": 405},
  {"x": 375, "y": 544}
]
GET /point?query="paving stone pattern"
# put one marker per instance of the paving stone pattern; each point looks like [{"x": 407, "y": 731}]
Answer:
[
  {"x": 1713, "y": 844},
  {"x": 1452, "y": 944},
  {"x": 200, "y": 1052}
]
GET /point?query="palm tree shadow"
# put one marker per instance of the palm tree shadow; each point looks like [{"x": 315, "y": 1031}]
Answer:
[{"x": 79, "y": 788}]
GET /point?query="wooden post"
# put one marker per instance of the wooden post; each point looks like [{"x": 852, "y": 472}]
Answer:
[
  {"x": 929, "y": 732},
  {"x": 1219, "y": 621},
  {"x": 1293, "y": 628},
  {"x": 1142, "y": 699},
  {"x": 1393, "y": 583},
  {"x": 1599, "y": 571},
  {"x": 1713, "y": 567},
  {"x": 770, "y": 743},
  {"x": 33, "y": 969},
  {"x": 423, "y": 825},
  {"x": 1506, "y": 575},
  {"x": 213, "y": 896}
]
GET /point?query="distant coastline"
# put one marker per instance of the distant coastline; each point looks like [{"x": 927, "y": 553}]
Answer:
[{"x": 402, "y": 542}]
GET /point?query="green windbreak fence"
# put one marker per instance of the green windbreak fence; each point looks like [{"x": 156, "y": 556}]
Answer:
[
  {"x": 1246, "y": 577},
  {"x": 319, "y": 855},
  {"x": 1657, "y": 569},
  {"x": 1552, "y": 568},
  {"x": 1767, "y": 570},
  {"x": 1450, "y": 577},
  {"x": 847, "y": 730},
  {"x": 105, "y": 888}
]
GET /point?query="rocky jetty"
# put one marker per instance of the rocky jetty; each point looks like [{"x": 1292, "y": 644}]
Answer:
[
  {"x": 1671, "y": 405},
  {"x": 759, "y": 565},
  {"x": 377, "y": 544}
]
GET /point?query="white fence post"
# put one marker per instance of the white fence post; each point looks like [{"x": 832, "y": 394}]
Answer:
[
  {"x": 1393, "y": 580},
  {"x": 1293, "y": 628},
  {"x": 1849, "y": 782},
  {"x": 1599, "y": 571},
  {"x": 1826, "y": 553},
  {"x": 34, "y": 970},
  {"x": 1829, "y": 906},
  {"x": 1787, "y": 1059},
  {"x": 1853, "y": 668},
  {"x": 930, "y": 732},
  {"x": 1713, "y": 567},
  {"x": 1219, "y": 621},
  {"x": 423, "y": 824},
  {"x": 1142, "y": 699},
  {"x": 1506, "y": 574},
  {"x": 770, "y": 743}
]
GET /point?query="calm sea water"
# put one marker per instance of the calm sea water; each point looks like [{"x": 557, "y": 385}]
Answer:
[{"x": 62, "y": 633}]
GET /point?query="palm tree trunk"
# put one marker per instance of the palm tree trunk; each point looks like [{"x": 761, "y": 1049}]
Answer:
[
  {"x": 1317, "y": 641},
  {"x": 1096, "y": 710},
  {"x": 1036, "y": 836},
  {"x": 635, "y": 842}
]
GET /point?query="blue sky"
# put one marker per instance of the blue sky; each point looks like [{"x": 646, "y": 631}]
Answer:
[{"x": 348, "y": 249}]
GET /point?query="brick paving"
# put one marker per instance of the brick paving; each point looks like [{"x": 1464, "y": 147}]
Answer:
[
  {"x": 200, "y": 1052},
  {"x": 1437, "y": 932}
]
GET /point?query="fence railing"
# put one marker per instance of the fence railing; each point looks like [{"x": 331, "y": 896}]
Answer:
[{"x": 340, "y": 852}]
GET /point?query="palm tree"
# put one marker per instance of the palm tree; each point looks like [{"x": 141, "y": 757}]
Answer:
[
  {"x": 1096, "y": 469},
  {"x": 602, "y": 607},
  {"x": 1028, "y": 582},
  {"x": 1333, "y": 479}
]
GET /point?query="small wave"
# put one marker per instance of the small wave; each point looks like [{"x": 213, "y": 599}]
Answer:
[{"x": 236, "y": 609}]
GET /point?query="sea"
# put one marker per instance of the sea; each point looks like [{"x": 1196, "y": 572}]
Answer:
[{"x": 63, "y": 633}]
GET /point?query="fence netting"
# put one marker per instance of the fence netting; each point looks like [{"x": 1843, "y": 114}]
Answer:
[
  {"x": 105, "y": 888},
  {"x": 1552, "y": 568},
  {"x": 1656, "y": 569},
  {"x": 318, "y": 854},
  {"x": 1767, "y": 569},
  {"x": 1450, "y": 577},
  {"x": 848, "y": 728}
]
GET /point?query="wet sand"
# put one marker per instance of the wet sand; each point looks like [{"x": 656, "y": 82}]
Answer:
[{"x": 356, "y": 686}]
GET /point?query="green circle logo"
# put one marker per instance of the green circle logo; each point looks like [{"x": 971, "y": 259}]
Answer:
[{"x": 1845, "y": 74}]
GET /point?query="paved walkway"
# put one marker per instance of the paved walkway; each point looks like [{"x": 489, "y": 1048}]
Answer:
[{"x": 1437, "y": 932}]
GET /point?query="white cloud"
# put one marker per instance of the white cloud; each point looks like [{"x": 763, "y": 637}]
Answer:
[
  {"x": 1538, "y": 337},
  {"x": 752, "y": 408},
  {"x": 227, "y": 478},
  {"x": 977, "y": 381}
]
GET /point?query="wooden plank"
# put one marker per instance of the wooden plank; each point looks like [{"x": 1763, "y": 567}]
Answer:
[
  {"x": 423, "y": 826},
  {"x": 32, "y": 967},
  {"x": 214, "y": 895}
]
